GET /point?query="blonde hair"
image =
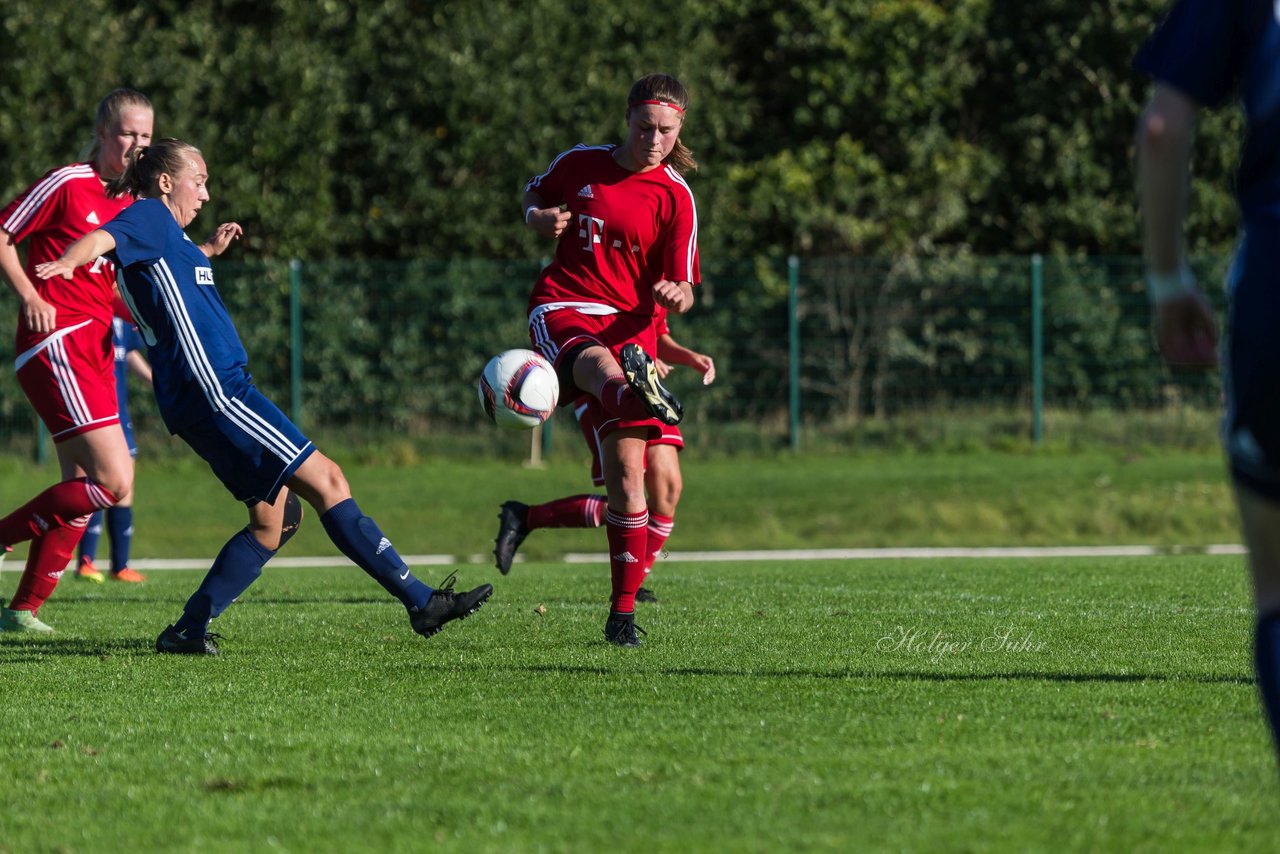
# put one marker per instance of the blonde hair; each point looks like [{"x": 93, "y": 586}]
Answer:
[
  {"x": 141, "y": 176},
  {"x": 110, "y": 109},
  {"x": 668, "y": 90}
]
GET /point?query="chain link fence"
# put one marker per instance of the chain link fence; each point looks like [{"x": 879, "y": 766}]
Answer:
[{"x": 807, "y": 350}]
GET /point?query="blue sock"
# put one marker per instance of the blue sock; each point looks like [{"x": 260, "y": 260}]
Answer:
[
  {"x": 120, "y": 529},
  {"x": 89, "y": 542},
  {"x": 1266, "y": 658},
  {"x": 238, "y": 565},
  {"x": 358, "y": 537}
]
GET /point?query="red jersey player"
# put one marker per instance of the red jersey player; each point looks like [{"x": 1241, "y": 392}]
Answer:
[
  {"x": 628, "y": 241},
  {"x": 65, "y": 359},
  {"x": 663, "y": 481}
]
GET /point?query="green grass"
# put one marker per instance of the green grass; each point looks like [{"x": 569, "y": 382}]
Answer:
[
  {"x": 773, "y": 707},
  {"x": 986, "y": 498}
]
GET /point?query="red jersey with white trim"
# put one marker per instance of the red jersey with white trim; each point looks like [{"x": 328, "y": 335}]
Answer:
[
  {"x": 51, "y": 214},
  {"x": 629, "y": 231}
]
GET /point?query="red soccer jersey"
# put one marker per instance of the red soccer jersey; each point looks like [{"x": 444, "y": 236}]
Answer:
[
  {"x": 629, "y": 231},
  {"x": 56, "y": 211},
  {"x": 660, "y": 321}
]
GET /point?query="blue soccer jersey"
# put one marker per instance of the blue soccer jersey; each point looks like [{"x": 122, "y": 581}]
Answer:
[
  {"x": 198, "y": 363},
  {"x": 1212, "y": 49}
]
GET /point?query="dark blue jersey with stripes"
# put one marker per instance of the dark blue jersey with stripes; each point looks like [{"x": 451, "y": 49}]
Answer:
[
  {"x": 1213, "y": 50},
  {"x": 197, "y": 361}
]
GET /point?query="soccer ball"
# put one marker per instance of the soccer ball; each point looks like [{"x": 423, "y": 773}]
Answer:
[{"x": 518, "y": 388}]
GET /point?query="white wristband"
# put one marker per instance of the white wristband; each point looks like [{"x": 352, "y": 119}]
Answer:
[
  {"x": 527, "y": 211},
  {"x": 1162, "y": 287}
]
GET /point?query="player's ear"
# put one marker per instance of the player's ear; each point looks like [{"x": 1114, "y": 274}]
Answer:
[{"x": 165, "y": 183}]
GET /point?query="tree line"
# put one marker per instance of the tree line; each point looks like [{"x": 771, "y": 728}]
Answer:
[{"x": 406, "y": 129}]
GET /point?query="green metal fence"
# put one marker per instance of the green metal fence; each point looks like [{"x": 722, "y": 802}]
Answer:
[{"x": 803, "y": 346}]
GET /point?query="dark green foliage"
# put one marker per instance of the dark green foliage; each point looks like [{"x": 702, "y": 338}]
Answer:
[{"x": 406, "y": 129}]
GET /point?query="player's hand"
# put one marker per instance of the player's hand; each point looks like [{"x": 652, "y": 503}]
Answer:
[
  {"x": 661, "y": 367},
  {"x": 703, "y": 364},
  {"x": 1185, "y": 331},
  {"x": 671, "y": 295},
  {"x": 49, "y": 269},
  {"x": 549, "y": 222},
  {"x": 38, "y": 314},
  {"x": 221, "y": 238}
]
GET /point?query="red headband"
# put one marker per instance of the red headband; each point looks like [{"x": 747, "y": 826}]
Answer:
[{"x": 676, "y": 107}]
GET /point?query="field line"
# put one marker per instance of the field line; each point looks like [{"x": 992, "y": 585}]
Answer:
[{"x": 741, "y": 556}]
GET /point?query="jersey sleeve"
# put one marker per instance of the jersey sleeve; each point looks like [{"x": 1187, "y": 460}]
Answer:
[
  {"x": 139, "y": 232},
  {"x": 35, "y": 208},
  {"x": 680, "y": 252},
  {"x": 550, "y": 184},
  {"x": 1198, "y": 48}
]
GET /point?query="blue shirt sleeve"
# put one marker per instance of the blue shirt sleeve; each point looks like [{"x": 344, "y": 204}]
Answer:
[
  {"x": 1198, "y": 49},
  {"x": 140, "y": 232}
]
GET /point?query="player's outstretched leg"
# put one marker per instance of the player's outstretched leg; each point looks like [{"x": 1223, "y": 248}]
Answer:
[
  {"x": 642, "y": 376},
  {"x": 513, "y": 527}
]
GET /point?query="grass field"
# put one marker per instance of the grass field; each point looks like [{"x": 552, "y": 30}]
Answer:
[
  {"x": 780, "y": 501},
  {"x": 911, "y": 705}
]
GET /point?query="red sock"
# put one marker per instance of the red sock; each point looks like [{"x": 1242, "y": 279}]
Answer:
[
  {"x": 576, "y": 511},
  {"x": 53, "y": 508},
  {"x": 620, "y": 401},
  {"x": 628, "y": 533},
  {"x": 659, "y": 530},
  {"x": 46, "y": 559}
]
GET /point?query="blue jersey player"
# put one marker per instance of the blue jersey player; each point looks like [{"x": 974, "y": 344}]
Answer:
[
  {"x": 205, "y": 396},
  {"x": 1205, "y": 53}
]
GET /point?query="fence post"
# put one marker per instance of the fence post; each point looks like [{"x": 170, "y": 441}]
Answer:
[
  {"x": 793, "y": 350},
  {"x": 295, "y": 340},
  {"x": 1037, "y": 348}
]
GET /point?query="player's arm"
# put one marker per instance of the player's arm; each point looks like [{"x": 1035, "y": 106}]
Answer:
[
  {"x": 1184, "y": 325},
  {"x": 669, "y": 350},
  {"x": 547, "y": 221},
  {"x": 84, "y": 250},
  {"x": 38, "y": 314}
]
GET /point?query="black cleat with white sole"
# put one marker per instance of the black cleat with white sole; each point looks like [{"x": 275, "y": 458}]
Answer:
[{"x": 642, "y": 376}]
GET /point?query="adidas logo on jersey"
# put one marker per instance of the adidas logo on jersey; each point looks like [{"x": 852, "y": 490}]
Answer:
[
  {"x": 92, "y": 218},
  {"x": 586, "y": 193},
  {"x": 626, "y": 557},
  {"x": 383, "y": 546}
]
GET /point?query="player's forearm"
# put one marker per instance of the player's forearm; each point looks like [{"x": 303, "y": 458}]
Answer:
[
  {"x": 88, "y": 248},
  {"x": 530, "y": 201},
  {"x": 11, "y": 267},
  {"x": 1165, "y": 133}
]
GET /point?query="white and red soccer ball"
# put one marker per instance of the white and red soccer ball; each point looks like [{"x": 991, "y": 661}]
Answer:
[{"x": 519, "y": 389}]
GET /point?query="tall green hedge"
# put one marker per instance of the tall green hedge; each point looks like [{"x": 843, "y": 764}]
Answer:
[{"x": 406, "y": 129}]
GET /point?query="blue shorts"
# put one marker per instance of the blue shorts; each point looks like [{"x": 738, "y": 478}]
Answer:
[
  {"x": 1251, "y": 372},
  {"x": 251, "y": 446}
]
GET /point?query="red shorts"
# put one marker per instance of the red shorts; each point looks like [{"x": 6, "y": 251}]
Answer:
[
  {"x": 69, "y": 377},
  {"x": 556, "y": 331},
  {"x": 587, "y": 410}
]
